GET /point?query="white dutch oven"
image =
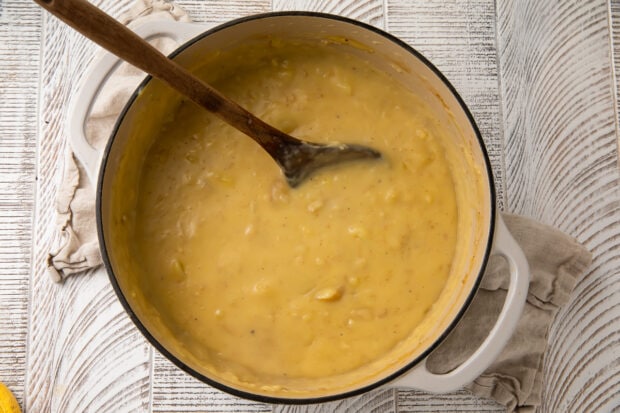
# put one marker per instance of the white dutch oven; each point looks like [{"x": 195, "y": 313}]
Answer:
[{"x": 481, "y": 230}]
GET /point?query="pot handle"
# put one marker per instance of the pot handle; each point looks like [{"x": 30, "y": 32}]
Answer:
[
  {"x": 82, "y": 101},
  {"x": 421, "y": 378}
]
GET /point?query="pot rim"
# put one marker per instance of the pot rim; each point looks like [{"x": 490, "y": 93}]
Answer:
[{"x": 315, "y": 399}]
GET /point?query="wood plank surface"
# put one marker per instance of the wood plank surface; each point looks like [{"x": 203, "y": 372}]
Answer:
[
  {"x": 84, "y": 353},
  {"x": 368, "y": 11},
  {"x": 562, "y": 158},
  {"x": 218, "y": 11},
  {"x": 540, "y": 81},
  {"x": 614, "y": 19},
  {"x": 20, "y": 32},
  {"x": 377, "y": 401},
  {"x": 461, "y": 401}
]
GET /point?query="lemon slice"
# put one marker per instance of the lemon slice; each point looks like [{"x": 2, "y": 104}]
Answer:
[{"x": 8, "y": 402}]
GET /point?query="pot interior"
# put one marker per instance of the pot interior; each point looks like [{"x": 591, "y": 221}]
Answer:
[{"x": 153, "y": 105}]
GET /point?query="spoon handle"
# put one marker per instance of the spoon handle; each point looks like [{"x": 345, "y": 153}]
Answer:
[{"x": 124, "y": 43}]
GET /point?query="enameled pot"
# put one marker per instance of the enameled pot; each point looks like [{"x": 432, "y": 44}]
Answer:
[{"x": 480, "y": 228}]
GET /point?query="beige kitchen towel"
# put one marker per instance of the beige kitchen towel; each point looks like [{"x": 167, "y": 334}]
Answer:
[
  {"x": 76, "y": 248},
  {"x": 515, "y": 379},
  {"x": 556, "y": 260}
]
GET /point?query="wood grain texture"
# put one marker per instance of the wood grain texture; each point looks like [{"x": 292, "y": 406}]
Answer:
[
  {"x": 368, "y": 11},
  {"x": 176, "y": 391},
  {"x": 459, "y": 38},
  {"x": 614, "y": 20},
  {"x": 461, "y": 401},
  {"x": 562, "y": 158},
  {"x": 217, "y": 11},
  {"x": 84, "y": 354},
  {"x": 19, "y": 43},
  {"x": 558, "y": 95},
  {"x": 377, "y": 401}
]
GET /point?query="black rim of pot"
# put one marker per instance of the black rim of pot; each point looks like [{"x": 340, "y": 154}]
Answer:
[{"x": 285, "y": 400}]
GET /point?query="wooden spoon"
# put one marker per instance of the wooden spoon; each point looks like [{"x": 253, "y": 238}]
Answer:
[{"x": 296, "y": 158}]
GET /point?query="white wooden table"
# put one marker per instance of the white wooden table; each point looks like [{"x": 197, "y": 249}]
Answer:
[{"x": 540, "y": 77}]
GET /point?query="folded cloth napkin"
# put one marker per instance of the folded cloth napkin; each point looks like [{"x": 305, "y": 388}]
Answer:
[
  {"x": 556, "y": 260},
  {"x": 76, "y": 248}
]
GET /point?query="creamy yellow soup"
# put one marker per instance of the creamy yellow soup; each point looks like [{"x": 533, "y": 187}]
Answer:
[{"x": 276, "y": 288}]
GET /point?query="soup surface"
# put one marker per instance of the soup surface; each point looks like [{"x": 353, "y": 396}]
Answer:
[{"x": 264, "y": 284}]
